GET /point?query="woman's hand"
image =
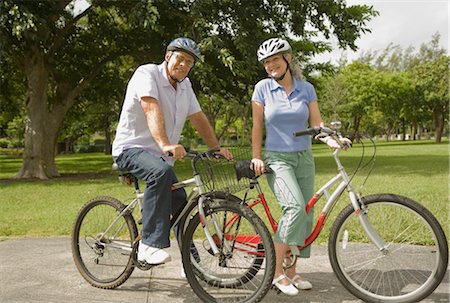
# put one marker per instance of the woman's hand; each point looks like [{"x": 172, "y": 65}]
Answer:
[
  {"x": 346, "y": 143},
  {"x": 258, "y": 166}
]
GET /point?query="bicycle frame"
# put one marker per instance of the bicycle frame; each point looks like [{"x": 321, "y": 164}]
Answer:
[
  {"x": 197, "y": 190},
  {"x": 343, "y": 182}
]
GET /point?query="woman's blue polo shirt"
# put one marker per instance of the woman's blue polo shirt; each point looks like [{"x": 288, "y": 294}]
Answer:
[{"x": 283, "y": 115}]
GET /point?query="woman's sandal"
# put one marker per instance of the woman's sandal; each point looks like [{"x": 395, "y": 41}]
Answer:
[
  {"x": 298, "y": 282},
  {"x": 289, "y": 289}
]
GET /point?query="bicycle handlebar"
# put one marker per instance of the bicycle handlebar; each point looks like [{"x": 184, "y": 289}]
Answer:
[{"x": 314, "y": 131}]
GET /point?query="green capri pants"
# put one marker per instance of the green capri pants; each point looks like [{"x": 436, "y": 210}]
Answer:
[{"x": 293, "y": 184}]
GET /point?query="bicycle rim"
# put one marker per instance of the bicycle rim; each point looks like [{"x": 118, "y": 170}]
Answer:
[
  {"x": 103, "y": 251},
  {"x": 415, "y": 259},
  {"x": 244, "y": 268}
]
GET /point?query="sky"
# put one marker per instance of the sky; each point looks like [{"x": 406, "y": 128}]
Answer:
[{"x": 401, "y": 22}]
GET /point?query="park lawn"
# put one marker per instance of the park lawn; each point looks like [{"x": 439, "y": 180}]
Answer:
[{"x": 418, "y": 170}]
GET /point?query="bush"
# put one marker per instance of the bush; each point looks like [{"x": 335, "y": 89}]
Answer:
[
  {"x": 4, "y": 142},
  {"x": 11, "y": 151}
]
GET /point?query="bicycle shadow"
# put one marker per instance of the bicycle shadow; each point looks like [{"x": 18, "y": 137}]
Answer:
[{"x": 326, "y": 289}]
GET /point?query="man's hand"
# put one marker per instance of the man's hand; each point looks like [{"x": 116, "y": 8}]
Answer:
[
  {"x": 176, "y": 151},
  {"x": 226, "y": 153}
]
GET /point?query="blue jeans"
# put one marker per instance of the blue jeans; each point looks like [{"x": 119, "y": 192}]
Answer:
[{"x": 160, "y": 202}]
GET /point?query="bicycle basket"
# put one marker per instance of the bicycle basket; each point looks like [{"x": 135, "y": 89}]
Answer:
[{"x": 220, "y": 174}]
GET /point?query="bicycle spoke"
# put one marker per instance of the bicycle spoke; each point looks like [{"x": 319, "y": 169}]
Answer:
[{"x": 409, "y": 266}]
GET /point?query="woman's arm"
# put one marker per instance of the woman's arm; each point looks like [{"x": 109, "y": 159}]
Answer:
[
  {"x": 257, "y": 129},
  {"x": 257, "y": 136},
  {"x": 315, "y": 120}
]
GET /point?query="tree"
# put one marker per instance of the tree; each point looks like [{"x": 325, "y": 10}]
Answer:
[
  {"x": 360, "y": 81},
  {"x": 12, "y": 92},
  {"x": 60, "y": 53},
  {"x": 432, "y": 80},
  {"x": 334, "y": 95}
]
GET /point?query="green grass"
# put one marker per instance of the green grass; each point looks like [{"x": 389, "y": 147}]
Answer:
[{"x": 418, "y": 170}]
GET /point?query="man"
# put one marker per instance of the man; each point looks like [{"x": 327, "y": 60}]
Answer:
[{"x": 158, "y": 100}]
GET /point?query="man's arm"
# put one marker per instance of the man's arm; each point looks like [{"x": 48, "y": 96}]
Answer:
[
  {"x": 155, "y": 123},
  {"x": 204, "y": 128}
]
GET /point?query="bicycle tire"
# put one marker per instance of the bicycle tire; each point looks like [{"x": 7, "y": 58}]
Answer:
[
  {"x": 412, "y": 266},
  {"x": 257, "y": 262},
  {"x": 229, "y": 276},
  {"x": 104, "y": 260},
  {"x": 199, "y": 271}
]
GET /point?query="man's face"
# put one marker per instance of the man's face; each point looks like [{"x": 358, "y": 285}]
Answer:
[{"x": 179, "y": 64}]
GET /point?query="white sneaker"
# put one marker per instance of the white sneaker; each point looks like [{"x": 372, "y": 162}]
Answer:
[{"x": 152, "y": 255}]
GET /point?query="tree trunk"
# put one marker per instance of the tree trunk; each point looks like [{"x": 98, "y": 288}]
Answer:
[
  {"x": 108, "y": 146},
  {"x": 437, "y": 126},
  {"x": 34, "y": 163},
  {"x": 403, "y": 130},
  {"x": 42, "y": 125},
  {"x": 414, "y": 130},
  {"x": 356, "y": 122}
]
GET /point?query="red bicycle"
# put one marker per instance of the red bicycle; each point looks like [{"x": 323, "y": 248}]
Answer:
[{"x": 382, "y": 247}]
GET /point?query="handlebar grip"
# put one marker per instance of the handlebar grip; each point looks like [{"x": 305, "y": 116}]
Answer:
[
  {"x": 308, "y": 131},
  {"x": 186, "y": 148}
]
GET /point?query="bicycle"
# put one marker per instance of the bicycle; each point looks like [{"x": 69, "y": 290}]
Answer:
[
  {"x": 105, "y": 237},
  {"x": 382, "y": 247}
]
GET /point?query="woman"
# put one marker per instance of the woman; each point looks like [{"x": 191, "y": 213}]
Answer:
[{"x": 285, "y": 103}]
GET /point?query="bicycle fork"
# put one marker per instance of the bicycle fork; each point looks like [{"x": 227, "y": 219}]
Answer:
[
  {"x": 360, "y": 210},
  {"x": 206, "y": 224}
]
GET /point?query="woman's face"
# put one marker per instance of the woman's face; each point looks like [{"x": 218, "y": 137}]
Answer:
[
  {"x": 179, "y": 64},
  {"x": 276, "y": 65}
]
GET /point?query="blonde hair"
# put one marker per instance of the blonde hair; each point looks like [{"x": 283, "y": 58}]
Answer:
[{"x": 294, "y": 67}]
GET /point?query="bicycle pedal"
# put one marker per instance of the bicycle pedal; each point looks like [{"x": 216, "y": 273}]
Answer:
[{"x": 143, "y": 265}]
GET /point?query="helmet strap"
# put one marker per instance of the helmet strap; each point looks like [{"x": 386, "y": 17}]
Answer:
[{"x": 285, "y": 72}]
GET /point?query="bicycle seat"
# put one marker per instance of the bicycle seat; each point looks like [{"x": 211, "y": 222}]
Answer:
[{"x": 125, "y": 177}]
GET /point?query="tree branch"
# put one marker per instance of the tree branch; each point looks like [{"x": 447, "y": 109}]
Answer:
[
  {"x": 70, "y": 25},
  {"x": 70, "y": 97}
]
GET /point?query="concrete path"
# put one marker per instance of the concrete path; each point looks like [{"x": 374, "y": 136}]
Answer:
[{"x": 42, "y": 270}]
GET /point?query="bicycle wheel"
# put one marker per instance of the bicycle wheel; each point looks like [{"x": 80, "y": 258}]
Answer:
[
  {"x": 244, "y": 268},
  {"x": 193, "y": 209},
  {"x": 102, "y": 247},
  {"x": 413, "y": 263}
]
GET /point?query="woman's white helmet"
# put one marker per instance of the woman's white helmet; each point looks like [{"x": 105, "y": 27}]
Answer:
[{"x": 271, "y": 47}]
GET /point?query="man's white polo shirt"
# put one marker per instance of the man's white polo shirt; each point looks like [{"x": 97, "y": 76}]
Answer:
[{"x": 176, "y": 105}]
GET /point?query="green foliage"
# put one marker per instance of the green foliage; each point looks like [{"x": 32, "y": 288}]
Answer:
[
  {"x": 60, "y": 54},
  {"x": 15, "y": 132},
  {"x": 395, "y": 92},
  {"x": 418, "y": 170}
]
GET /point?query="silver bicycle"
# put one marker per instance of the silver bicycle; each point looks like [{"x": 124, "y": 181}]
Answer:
[{"x": 105, "y": 237}]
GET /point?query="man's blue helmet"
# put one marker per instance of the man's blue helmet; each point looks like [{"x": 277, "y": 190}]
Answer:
[{"x": 185, "y": 44}]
